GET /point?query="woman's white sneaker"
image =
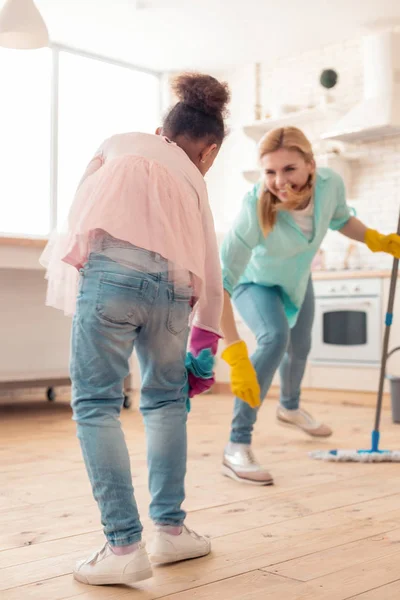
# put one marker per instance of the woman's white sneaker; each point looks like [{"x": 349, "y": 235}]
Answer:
[
  {"x": 167, "y": 548},
  {"x": 302, "y": 420},
  {"x": 240, "y": 464},
  {"x": 106, "y": 568}
]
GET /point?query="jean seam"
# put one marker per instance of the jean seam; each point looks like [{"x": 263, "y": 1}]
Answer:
[{"x": 171, "y": 303}]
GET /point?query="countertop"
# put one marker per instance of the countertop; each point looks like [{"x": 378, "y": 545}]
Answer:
[
  {"x": 23, "y": 242},
  {"x": 25, "y": 259},
  {"x": 359, "y": 274}
]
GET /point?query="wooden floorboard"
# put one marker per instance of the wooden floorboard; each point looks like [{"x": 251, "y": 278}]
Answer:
[{"x": 324, "y": 531}]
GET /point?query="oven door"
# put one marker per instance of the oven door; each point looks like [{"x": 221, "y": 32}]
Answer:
[{"x": 347, "y": 331}]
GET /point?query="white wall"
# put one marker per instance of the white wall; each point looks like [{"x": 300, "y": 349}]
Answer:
[{"x": 225, "y": 183}]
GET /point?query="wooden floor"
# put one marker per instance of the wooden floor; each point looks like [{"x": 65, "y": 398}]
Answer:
[{"x": 324, "y": 531}]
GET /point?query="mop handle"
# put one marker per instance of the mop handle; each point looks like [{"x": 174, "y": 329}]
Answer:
[{"x": 388, "y": 323}]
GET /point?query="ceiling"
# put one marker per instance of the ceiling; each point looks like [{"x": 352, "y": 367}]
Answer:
[{"x": 210, "y": 34}]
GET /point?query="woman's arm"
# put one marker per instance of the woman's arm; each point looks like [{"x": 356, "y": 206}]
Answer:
[
  {"x": 236, "y": 252},
  {"x": 228, "y": 323},
  {"x": 354, "y": 229}
]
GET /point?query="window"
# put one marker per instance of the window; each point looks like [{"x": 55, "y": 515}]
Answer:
[
  {"x": 25, "y": 123},
  {"x": 96, "y": 99}
]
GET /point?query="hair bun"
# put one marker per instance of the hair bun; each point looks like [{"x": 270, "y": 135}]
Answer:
[{"x": 202, "y": 92}]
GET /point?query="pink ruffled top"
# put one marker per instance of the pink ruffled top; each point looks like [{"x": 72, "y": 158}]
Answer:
[{"x": 144, "y": 190}]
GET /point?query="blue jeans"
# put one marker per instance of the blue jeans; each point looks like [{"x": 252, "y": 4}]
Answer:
[
  {"x": 119, "y": 308},
  {"x": 262, "y": 310}
]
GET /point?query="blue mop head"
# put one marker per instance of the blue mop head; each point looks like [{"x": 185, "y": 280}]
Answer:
[
  {"x": 372, "y": 455},
  {"x": 357, "y": 455}
]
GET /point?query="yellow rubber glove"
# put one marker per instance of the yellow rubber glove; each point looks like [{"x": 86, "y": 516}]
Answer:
[
  {"x": 377, "y": 242},
  {"x": 244, "y": 382}
]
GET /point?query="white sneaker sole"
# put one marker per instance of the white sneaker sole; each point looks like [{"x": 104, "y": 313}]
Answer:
[
  {"x": 290, "y": 425},
  {"x": 167, "y": 558},
  {"x": 230, "y": 473},
  {"x": 125, "y": 578}
]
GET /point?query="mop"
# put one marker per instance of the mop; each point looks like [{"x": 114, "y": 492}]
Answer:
[{"x": 374, "y": 454}]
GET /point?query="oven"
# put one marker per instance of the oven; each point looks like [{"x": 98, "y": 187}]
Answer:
[{"x": 348, "y": 322}]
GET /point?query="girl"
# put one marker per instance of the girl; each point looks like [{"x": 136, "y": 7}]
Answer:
[
  {"x": 141, "y": 234},
  {"x": 266, "y": 260}
]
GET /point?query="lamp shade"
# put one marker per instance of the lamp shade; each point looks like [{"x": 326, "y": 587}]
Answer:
[{"x": 22, "y": 26}]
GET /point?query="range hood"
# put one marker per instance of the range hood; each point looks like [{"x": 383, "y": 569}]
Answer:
[{"x": 378, "y": 115}]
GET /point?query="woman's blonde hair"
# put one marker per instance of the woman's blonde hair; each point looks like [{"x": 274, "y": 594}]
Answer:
[{"x": 268, "y": 205}]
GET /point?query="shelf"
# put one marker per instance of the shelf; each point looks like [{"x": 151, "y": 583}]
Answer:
[
  {"x": 350, "y": 274},
  {"x": 328, "y": 113}
]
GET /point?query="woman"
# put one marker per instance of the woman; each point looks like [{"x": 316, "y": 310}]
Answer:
[{"x": 266, "y": 265}]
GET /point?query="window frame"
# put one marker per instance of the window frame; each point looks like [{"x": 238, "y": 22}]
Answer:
[{"x": 12, "y": 239}]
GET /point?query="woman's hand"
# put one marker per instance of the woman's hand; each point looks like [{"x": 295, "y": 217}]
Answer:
[
  {"x": 244, "y": 382},
  {"x": 377, "y": 242}
]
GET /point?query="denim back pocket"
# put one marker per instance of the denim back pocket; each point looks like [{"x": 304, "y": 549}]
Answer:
[
  {"x": 179, "y": 309},
  {"x": 120, "y": 298}
]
